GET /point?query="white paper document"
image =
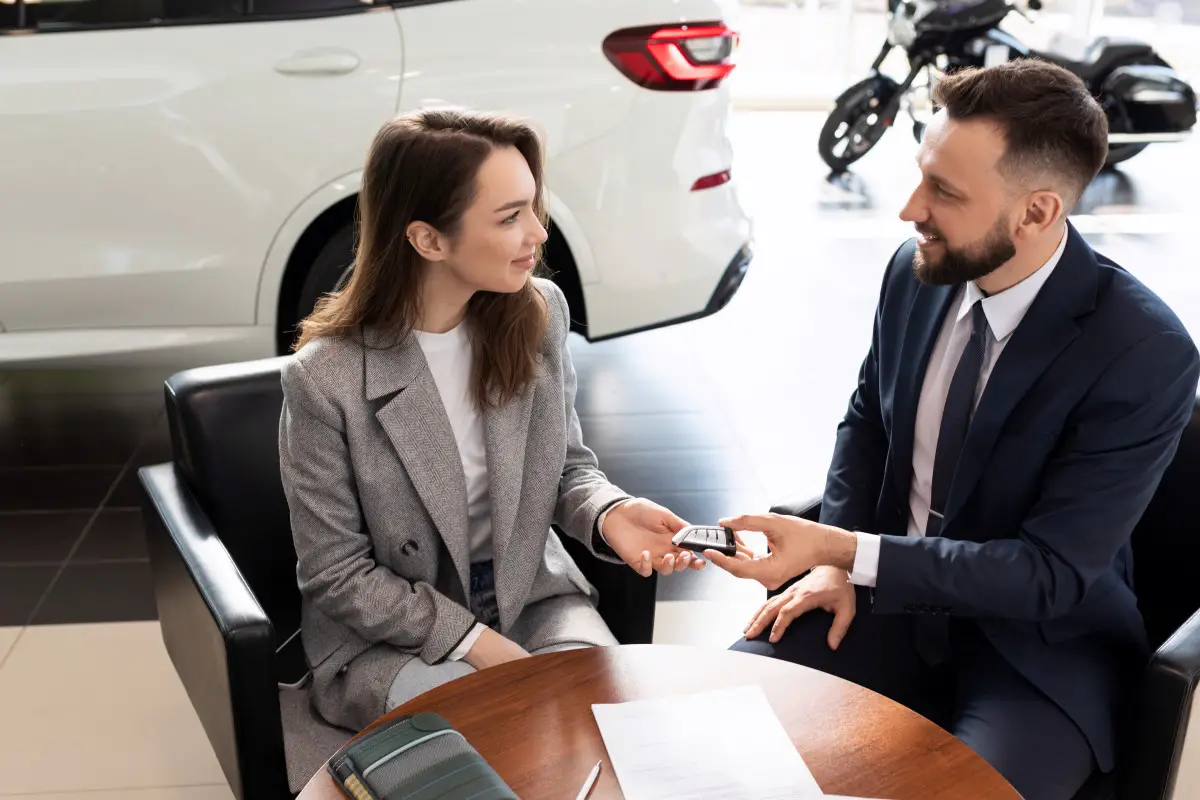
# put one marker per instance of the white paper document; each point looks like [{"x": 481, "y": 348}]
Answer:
[{"x": 720, "y": 745}]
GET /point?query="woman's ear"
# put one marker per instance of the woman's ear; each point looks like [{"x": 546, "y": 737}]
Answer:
[{"x": 426, "y": 240}]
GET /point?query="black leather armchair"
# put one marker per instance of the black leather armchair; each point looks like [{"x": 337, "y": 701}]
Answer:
[
  {"x": 1166, "y": 552},
  {"x": 223, "y": 562}
]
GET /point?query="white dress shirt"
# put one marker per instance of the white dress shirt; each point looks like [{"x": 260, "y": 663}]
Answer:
[{"x": 1004, "y": 312}]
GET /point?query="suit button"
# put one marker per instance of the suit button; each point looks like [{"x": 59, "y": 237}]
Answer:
[{"x": 409, "y": 547}]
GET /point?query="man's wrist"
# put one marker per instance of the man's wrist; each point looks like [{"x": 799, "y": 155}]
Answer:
[{"x": 838, "y": 548}]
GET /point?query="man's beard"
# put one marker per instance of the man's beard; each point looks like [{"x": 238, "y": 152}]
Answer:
[{"x": 956, "y": 266}]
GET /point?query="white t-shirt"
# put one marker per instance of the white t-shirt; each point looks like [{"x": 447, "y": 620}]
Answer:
[{"x": 450, "y": 360}]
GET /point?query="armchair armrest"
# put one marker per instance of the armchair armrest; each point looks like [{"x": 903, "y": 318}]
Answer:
[
  {"x": 217, "y": 636},
  {"x": 627, "y": 600},
  {"x": 1157, "y": 721},
  {"x": 808, "y": 508}
]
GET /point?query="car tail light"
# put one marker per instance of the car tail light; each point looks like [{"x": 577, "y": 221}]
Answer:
[
  {"x": 709, "y": 181},
  {"x": 677, "y": 58}
]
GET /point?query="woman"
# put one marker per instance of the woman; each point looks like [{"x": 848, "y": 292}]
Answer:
[{"x": 429, "y": 436}]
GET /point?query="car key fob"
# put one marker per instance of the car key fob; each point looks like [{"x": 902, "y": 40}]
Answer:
[{"x": 699, "y": 538}]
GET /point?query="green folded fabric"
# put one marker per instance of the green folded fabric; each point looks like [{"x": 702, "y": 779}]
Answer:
[{"x": 416, "y": 757}]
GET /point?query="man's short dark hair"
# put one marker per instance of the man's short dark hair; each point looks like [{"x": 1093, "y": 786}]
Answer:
[{"x": 1051, "y": 123}]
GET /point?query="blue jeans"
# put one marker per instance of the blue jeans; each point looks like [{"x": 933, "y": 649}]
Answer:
[{"x": 483, "y": 594}]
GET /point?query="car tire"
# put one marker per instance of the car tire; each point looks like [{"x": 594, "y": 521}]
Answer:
[
  {"x": 559, "y": 266},
  {"x": 328, "y": 270}
]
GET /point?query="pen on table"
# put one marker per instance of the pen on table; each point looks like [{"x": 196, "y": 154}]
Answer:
[{"x": 590, "y": 782}]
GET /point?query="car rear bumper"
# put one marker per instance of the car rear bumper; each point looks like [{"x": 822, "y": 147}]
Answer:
[
  {"x": 673, "y": 252},
  {"x": 727, "y": 286}
]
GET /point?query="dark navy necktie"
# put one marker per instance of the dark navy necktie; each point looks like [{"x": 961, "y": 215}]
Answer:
[
  {"x": 956, "y": 418},
  {"x": 932, "y": 633}
]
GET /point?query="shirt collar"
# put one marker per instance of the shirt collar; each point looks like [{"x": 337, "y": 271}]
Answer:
[{"x": 1004, "y": 311}]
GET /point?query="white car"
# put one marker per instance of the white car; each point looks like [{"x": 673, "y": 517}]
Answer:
[{"x": 178, "y": 177}]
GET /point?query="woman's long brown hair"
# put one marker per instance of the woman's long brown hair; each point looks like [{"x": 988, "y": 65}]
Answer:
[{"x": 423, "y": 166}]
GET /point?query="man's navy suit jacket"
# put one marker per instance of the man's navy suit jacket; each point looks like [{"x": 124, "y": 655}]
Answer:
[{"x": 1080, "y": 417}]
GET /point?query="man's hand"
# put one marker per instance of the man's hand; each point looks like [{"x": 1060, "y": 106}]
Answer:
[
  {"x": 795, "y": 546},
  {"x": 640, "y": 532},
  {"x": 492, "y": 649},
  {"x": 825, "y": 587}
]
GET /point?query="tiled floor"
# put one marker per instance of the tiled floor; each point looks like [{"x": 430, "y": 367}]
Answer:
[
  {"x": 70, "y": 527},
  {"x": 719, "y": 416},
  {"x": 68, "y": 688}
]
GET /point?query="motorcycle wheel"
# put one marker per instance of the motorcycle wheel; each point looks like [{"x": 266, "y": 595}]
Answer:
[{"x": 855, "y": 124}]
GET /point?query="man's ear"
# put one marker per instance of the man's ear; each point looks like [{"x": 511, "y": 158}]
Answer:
[
  {"x": 1040, "y": 211},
  {"x": 425, "y": 239}
]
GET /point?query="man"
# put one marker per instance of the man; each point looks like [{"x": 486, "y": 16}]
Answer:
[{"x": 1020, "y": 401}]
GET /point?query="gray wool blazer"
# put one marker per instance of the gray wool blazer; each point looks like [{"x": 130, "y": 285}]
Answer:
[{"x": 377, "y": 497}]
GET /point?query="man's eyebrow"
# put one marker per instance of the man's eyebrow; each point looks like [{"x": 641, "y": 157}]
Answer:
[{"x": 936, "y": 178}]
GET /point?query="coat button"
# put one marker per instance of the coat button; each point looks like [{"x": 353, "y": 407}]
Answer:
[{"x": 409, "y": 547}]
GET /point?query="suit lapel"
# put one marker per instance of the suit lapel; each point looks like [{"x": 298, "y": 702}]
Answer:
[
  {"x": 925, "y": 318},
  {"x": 414, "y": 419},
  {"x": 1047, "y": 328},
  {"x": 506, "y": 433}
]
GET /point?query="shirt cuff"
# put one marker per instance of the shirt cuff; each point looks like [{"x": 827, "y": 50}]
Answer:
[
  {"x": 866, "y": 560},
  {"x": 467, "y": 643},
  {"x": 603, "y": 514}
]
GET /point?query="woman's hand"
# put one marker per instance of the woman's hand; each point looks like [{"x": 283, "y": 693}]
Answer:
[
  {"x": 492, "y": 649},
  {"x": 640, "y": 532}
]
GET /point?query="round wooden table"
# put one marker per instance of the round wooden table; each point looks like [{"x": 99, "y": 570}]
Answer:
[{"x": 532, "y": 720}]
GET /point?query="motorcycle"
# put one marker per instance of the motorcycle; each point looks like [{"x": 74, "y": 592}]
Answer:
[{"x": 1144, "y": 98}]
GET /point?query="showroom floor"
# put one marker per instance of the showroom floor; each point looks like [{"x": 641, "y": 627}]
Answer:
[{"x": 720, "y": 416}]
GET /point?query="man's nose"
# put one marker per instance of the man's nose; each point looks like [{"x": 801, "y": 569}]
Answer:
[{"x": 914, "y": 210}]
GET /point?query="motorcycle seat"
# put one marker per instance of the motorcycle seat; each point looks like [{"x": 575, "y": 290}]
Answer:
[{"x": 1102, "y": 56}]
